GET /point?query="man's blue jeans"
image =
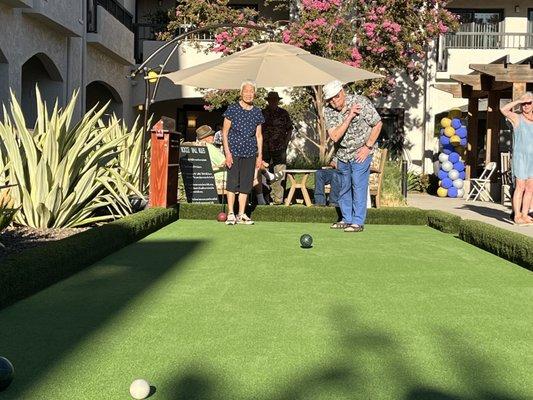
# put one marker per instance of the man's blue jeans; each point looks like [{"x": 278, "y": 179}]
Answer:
[
  {"x": 325, "y": 177},
  {"x": 353, "y": 192}
]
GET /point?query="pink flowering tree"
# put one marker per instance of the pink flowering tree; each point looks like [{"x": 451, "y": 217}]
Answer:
[{"x": 389, "y": 37}]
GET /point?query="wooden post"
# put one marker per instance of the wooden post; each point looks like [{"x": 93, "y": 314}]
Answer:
[
  {"x": 164, "y": 165},
  {"x": 473, "y": 122},
  {"x": 493, "y": 127},
  {"x": 519, "y": 89}
]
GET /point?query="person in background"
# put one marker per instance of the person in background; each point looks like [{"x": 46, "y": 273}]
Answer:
[
  {"x": 327, "y": 176},
  {"x": 522, "y": 157},
  {"x": 277, "y": 132},
  {"x": 206, "y": 136},
  {"x": 354, "y": 125},
  {"x": 243, "y": 146}
]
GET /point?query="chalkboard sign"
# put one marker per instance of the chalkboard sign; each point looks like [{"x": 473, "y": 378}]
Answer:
[{"x": 197, "y": 173}]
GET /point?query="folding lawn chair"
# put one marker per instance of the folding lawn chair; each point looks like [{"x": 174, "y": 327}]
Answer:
[
  {"x": 479, "y": 185},
  {"x": 507, "y": 178}
]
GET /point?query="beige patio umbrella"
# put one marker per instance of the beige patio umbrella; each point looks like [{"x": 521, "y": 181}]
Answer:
[{"x": 269, "y": 65}]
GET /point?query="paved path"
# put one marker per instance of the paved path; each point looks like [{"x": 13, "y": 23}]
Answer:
[{"x": 492, "y": 213}]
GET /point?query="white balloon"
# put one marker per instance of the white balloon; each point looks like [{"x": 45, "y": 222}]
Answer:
[
  {"x": 139, "y": 389},
  {"x": 460, "y": 193},
  {"x": 447, "y": 166},
  {"x": 453, "y": 174},
  {"x": 443, "y": 157},
  {"x": 458, "y": 183}
]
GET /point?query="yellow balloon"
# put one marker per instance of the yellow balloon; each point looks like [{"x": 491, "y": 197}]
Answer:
[
  {"x": 449, "y": 131},
  {"x": 441, "y": 192},
  {"x": 455, "y": 140},
  {"x": 455, "y": 113},
  {"x": 446, "y": 122}
]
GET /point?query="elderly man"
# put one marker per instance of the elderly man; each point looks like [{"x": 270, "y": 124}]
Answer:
[
  {"x": 277, "y": 131},
  {"x": 354, "y": 125}
]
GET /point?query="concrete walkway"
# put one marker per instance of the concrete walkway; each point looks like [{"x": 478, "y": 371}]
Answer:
[{"x": 491, "y": 213}]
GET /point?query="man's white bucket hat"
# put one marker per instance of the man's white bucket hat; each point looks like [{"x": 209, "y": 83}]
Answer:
[{"x": 331, "y": 89}]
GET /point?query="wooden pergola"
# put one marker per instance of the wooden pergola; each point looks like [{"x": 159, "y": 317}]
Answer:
[{"x": 492, "y": 82}]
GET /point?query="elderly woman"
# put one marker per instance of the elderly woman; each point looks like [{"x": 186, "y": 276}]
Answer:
[
  {"x": 522, "y": 156},
  {"x": 243, "y": 146}
]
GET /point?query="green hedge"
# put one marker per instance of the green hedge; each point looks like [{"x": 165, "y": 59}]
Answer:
[
  {"x": 383, "y": 216},
  {"x": 443, "y": 221},
  {"x": 512, "y": 246},
  {"x": 32, "y": 270}
]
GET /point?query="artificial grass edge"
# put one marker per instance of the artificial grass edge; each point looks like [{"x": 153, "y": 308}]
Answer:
[
  {"x": 511, "y": 246},
  {"x": 381, "y": 216},
  {"x": 26, "y": 273}
]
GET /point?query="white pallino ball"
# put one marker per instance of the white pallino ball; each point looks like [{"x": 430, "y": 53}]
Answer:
[{"x": 139, "y": 389}]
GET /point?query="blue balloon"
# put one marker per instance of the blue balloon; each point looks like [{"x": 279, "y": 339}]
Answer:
[
  {"x": 459, "y": 166},
  {"x": 448, "y": 149},
  {"x": 456, "y": 123},
  {"x": 453, "y": 157},
  {"x": 462, "y": 175},
  {"x": 463, "y": 142},
  {"x": 444, "y": 140},
  {"x": 452, "y": 192},
  {"x": 447, "y": 183},
  {"x": 442, "y": 174},
  {"x": 461, "y": 132}
]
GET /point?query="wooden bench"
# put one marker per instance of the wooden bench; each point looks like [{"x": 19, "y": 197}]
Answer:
[{"x": 377, "y": 168}]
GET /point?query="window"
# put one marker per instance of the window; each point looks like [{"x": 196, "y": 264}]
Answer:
[{"x": 472, "y": 20}]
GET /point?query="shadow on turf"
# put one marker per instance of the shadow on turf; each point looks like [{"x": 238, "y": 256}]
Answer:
[
  {"x": 347, "y": 374},
  {"x": 48, "y": 326}
]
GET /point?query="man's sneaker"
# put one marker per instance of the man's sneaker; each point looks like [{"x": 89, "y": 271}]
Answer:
[
  {"x": 244, "y": 220},
  {"x": 231, "y": 220}
]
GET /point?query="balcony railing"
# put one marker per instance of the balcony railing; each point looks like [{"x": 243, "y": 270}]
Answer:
[
  {"x": 480, "y": 40},
  {"x": 116, "y": 9},
  {"x": 146, "y": 31}
]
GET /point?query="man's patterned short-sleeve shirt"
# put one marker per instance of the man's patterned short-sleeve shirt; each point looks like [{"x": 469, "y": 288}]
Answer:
[
  {"x": 241, "y": 138},
  {"x": 359, "y": 130}
]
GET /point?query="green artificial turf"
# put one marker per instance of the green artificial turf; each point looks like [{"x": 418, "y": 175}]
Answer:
[{"x": 205, "y": 311}]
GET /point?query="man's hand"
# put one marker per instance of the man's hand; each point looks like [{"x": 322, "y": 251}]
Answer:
[
  {"x": 333, "y": 164},
  {"x": 354, "y": 111},
  {"x": 361, "y": 154},
  {"x": 229, "y": 160}
]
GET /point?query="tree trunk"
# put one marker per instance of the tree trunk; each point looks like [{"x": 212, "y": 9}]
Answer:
[{"x": 323, "y": 152}]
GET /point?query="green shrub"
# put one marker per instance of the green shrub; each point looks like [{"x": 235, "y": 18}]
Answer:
[
  {"x": 443, "y": 221},
  {"x": 417, "y": 182},
  {"x": 512, "y": 246},
  {"x": 32, "y": 270},
  {"x": 392, "y": 184},
  {"x": 383, "y": 216},
  {"x": 66, "y": 171}
]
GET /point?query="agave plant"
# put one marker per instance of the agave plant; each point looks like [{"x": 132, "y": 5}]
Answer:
[
  {"x": 7, "y": 210},
  {"x": 128, "y": 158},
  {"x": 64, "y": 171}
]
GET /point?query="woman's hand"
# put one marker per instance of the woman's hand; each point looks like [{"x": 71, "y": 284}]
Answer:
[
  {"x": 259, "y": 162},
  {"x": 229, "y": 160}
]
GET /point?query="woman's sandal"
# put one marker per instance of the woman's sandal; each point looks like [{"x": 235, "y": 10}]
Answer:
[
  {"x": 339, "y": 225},
  {"x": 354, "y": 228}
]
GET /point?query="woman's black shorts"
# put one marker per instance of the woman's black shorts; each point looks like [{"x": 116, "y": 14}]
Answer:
[{"x": 241, "y": 175}]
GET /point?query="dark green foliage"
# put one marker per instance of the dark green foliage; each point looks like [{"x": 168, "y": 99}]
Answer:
[
  {"x": 443, "y": 221},
  {"x": 382, "y": 216},
  {"x": 512, "y": 246},
  {"x": 25, "y": 273}
]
